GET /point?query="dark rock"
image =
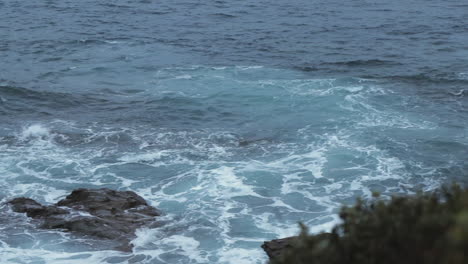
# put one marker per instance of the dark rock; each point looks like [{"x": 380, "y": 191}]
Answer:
[
  {"x": 276, "y": 247},
  {"x": 26, "y": 205},
  {"x": 101, "y": 213}
]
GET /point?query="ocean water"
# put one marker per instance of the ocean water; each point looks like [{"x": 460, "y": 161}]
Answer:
[{"x": 237, "y": 119}]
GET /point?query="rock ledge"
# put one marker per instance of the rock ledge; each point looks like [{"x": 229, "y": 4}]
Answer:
[{"x": 101, "y": 213}]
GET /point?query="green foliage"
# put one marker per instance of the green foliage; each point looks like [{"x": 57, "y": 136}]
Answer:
[{"x": 427, "y": 228}]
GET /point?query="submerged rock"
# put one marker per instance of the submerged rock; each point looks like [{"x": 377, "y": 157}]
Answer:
[{"x": 102, "y": 213}]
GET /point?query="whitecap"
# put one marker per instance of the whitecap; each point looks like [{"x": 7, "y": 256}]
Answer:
[{"x": 35, "y": 131}]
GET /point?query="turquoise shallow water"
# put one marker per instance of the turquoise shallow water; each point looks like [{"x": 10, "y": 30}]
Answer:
[
  {"x": 236, "y": 120},
  {"x": 233, "y": 156}
]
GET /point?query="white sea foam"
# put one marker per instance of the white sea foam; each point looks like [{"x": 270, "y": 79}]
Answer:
[
  {"x": 266, "y": 221},
  {"x": 153, "y": 242},
  {"x": 18, "y": 255},
  {"x": 463, "y": 75},
  {"x": 319, "y": 87},
  {"x": 246, "y": 68},
  {"x": 228, "y": 184},
  {"x": 221, "y": 200},
  {"x": 373, "y": 116},
  {"x": 184, "y": 77},
  {"x": 146, "y": 157},
  {"x": 35, "y": 131},
  {"x": 241, "y": 256}
]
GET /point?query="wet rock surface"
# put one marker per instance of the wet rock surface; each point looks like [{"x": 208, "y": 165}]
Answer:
[
  {"x": 276, "y": 247},
  {"x": 101, "y": 213}
]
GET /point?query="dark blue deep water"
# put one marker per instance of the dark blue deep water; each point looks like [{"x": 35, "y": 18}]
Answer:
[{"x": 236, "y": 118}]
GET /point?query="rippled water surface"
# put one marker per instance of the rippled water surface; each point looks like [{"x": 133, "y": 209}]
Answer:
[{"x": 236, "y": 119}]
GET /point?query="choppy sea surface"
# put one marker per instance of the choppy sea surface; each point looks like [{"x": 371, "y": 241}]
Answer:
[{"x": 236, "y": 118}]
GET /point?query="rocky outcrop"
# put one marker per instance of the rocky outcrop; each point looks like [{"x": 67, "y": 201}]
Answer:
[
  {"x": 276, "y": 247},
  {"x": 101, "y": 213}
]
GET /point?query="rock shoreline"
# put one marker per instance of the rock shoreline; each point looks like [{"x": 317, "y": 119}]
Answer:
[
  {"x": 100, "y": 213},
  {"x": 276, "y": 247},
  {"x": 109, "y": 214}
]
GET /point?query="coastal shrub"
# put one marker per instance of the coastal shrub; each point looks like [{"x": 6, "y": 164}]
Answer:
[{"x": 429, "y": 228}]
